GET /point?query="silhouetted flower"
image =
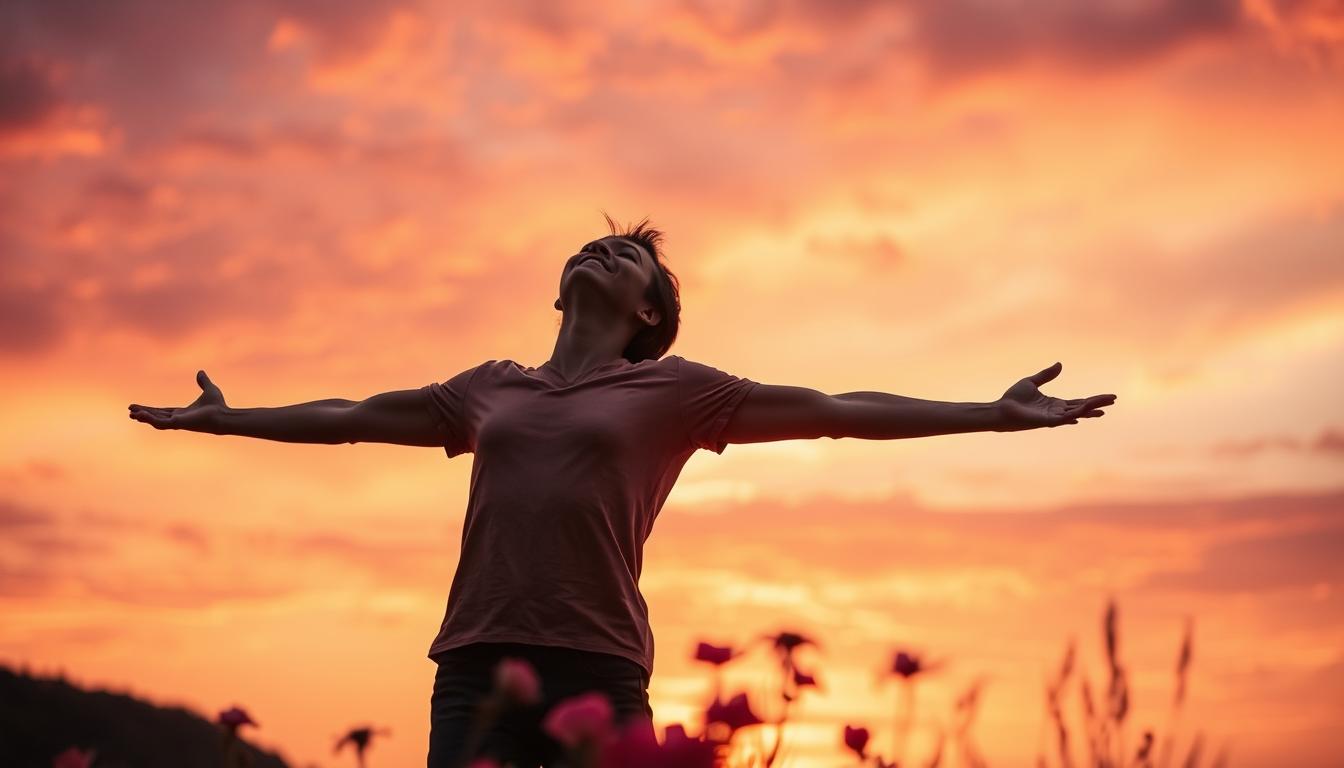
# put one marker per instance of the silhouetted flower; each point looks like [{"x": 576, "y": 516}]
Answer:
[
  {"x": 787, "y": 641},
  {"x": 581, "y": 719},
  {"x": 800, "y": 679},
  {"x": 857, "y": 740},
  {"x": 74, "y": 757},
  {"x": 735, "y": 713},
  {"x": 234, "y": 718},
  {"x": 518, "y": 681},
  {"x": 713, "y": 654},
  {"x": 907, "y": 665},
  {"x": 359, "y": 738},
  {"x": 682, "y": 751}
]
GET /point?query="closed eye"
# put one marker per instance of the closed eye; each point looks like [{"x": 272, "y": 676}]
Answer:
[{"x": 628, "y": 252}]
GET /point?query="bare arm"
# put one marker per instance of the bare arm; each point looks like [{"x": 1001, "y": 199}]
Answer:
[
  {"x": 772, "y": 412},
  {"x": 321, "y": 421},
  {"x": 883, "y": 416},
  {"x": 400, "y": 417}
]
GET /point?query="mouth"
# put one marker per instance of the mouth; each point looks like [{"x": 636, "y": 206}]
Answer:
[{"x": 597, "y": 260}]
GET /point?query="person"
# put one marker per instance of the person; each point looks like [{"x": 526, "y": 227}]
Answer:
[{"x": 572, "y": 461}]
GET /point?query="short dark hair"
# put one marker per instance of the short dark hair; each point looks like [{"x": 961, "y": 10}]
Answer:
[{"x": 652, "y": 342}]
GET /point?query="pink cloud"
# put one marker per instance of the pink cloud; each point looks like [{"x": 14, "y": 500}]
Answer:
[
  {"x": 1211, "y": 294},
  {"x": 852, "y": 540},
  {"x": 1329, "y": 442},
  {"x": 1263, "y": 563}
]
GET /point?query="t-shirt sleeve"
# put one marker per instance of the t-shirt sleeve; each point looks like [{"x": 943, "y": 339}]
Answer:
[
  {"x": 447, "y": 406},
  {"x": 709, "y": 397}
]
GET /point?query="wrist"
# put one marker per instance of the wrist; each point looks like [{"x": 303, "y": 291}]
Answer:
[
  {"x": 216, "y": 420},
  {"x": 1012, "y": 416}
]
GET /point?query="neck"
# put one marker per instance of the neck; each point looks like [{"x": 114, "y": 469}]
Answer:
[{"x": 586, "y": 342}]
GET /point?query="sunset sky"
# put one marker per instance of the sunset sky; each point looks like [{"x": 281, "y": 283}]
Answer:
[{"x": 934, "y": 198}]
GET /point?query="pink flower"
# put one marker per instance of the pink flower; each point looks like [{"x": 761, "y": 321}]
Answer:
[
  {"x": 581, "y": 719},
  {"x": 713, "y": 654},
  {"x": 857, "y": 740},
  {"x": 736, "y": 713},
  {"x": 74, "y": 757},
  {"x": 518, "y": 681},
  {"x": 233, "y": 718},
  {"x": 638, "y": 746}
]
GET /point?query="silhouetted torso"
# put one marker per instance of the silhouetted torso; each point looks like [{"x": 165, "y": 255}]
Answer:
[{"x": 567, "y": 480}]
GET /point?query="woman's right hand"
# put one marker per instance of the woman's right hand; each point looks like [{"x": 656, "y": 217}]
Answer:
[{"x": 200, "y": 416}]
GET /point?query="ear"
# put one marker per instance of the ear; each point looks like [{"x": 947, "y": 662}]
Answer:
[{"x": 650, "y": 316}]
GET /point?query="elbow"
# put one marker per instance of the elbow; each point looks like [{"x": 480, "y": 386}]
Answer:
[{"x": 839, "y": 419}]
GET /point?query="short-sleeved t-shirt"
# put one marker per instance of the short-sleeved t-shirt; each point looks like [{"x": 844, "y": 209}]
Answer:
[{"x": 566, "y": 481}]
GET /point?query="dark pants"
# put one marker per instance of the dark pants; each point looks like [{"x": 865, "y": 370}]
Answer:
[{"x": 466, "y": 675}]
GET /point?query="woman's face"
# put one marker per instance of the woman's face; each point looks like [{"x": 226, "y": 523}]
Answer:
[{"x": 618, "y": 268}]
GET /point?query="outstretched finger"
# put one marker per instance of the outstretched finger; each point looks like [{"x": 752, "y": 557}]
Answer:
[
  {"x": 150, "y": 418},
  {"x": 1046, "y": 374},
  {"x": 1095, "y": 401},
  {"x": 1098, "y": 401}
]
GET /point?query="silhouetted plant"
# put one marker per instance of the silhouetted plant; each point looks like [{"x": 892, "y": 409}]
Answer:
[
  {"x": 230, "y": 721},
  {"x": 908, "y": 667},
  {"x": 359, "y": 739},
  {"x": 1105, "y": 726}
]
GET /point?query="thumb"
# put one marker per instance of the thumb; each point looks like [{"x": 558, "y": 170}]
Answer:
[
  {"x": 204, "y": 381},
  {"x": 1046, "y": 374}
]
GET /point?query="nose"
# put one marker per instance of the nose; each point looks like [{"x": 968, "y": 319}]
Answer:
[{"x": 603, "y": 250}]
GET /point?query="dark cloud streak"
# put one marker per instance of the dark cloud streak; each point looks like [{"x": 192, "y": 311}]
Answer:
[
  {"x": 27, "y": 95},
  {"x": 962, "y": 37}
]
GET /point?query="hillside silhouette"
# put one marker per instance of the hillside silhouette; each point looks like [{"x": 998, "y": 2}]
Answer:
[{"x": 41, "y": 717}]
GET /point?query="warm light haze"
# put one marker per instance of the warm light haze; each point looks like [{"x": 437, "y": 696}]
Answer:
[{"x": 934, "y": 199}]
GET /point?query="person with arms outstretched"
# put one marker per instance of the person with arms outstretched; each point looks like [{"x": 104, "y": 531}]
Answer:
[{"x": 572, "y": 461}]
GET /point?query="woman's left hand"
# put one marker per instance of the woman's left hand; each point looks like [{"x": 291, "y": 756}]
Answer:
[{"x": 1023, "y": 406}]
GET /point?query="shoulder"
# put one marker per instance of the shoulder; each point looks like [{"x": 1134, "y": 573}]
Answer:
[
  {"x": 667, "y": 367},
  {"x": 475, "y": 373},
  {"x": 694, "y": 368},
  {"x": 501, "y": 367},
  {"x": 500, "y": 371}
]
